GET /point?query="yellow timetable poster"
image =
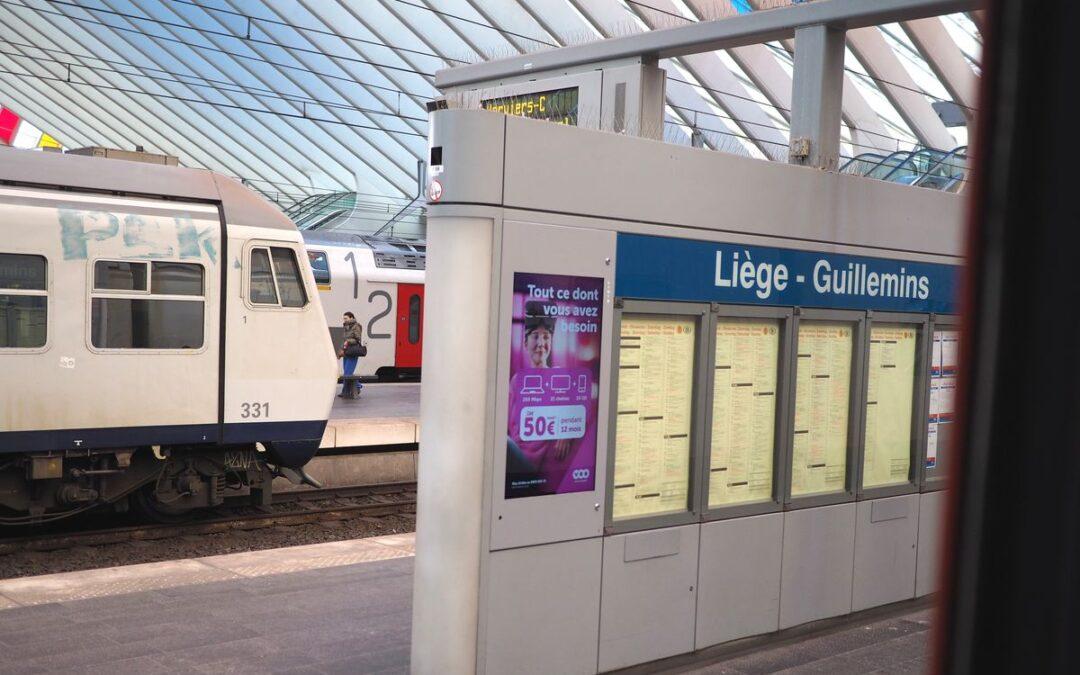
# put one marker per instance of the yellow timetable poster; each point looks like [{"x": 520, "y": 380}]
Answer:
[
  {"x": 822, "y": 397},
  {"x": 744, "y": 411},
  {"x": 889, "y": 401},
  {"x": 652, "y": 428}
]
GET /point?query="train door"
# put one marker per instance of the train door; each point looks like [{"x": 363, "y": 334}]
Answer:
[{"x": 410, "y": 314}]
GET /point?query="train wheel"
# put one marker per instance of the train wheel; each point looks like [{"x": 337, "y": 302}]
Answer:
[{"x": 145, "y": 501}]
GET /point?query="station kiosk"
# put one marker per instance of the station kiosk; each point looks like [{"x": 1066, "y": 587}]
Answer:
[{"x": 672, "y": 397}]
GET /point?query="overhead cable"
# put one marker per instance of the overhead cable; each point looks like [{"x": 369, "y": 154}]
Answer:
[
  {"x": 474, "y": 22},
  {"x": 233, "y": 36},
  {"x": 232, "y": 88},
  {"x": 217, "y": 50},
  {"x": 308, "y": 29},
  {"x": 216, "y": 104}
]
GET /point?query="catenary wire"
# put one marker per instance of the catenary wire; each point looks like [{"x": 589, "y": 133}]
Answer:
[
  {"x": 217, "y": 50},
  {"x": 233, "y": 36},
  {"x": 309, "y": 29},
  {"x": 225, "y": 87},
  {"x": 474, "y": 22},
  {"x": 230, "y": 106}
]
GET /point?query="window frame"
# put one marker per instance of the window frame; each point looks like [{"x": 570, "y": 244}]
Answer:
[
  {"x": 46, "y": 293},
  {"x": 699, "y": 312},
  {"x": 921, "y": 386},
  {"x": 120, "y": 291},
  {"x": 932, "y": 483},
  {"x": 855, "y": 403},
  {"x": 148, "y": 294},
  {"x": 785, "y": 315},
  {"x": 326, "y": 256},
  {"x": 419, "y": 324},
  {"x": 298, "y": 251}
]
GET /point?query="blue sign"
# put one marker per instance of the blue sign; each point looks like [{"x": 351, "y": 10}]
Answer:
[{"x": 665, "y": 268}]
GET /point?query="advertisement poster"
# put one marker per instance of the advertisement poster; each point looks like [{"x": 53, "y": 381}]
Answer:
[{"x": 554, "y": 384}]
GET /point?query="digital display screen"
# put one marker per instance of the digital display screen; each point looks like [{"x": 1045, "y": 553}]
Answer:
[{"x": 558, "y": 105}]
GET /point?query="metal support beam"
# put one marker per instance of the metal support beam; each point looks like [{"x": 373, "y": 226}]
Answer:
[
  {"x": 946, "y": 60},
  {"x": 707, "y": 36},
  {"x": 816, "y": 93},
  {"x": 897, "y": 85}
]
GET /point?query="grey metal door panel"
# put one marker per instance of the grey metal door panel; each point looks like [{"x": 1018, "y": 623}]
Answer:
[
  {"x": 647, "y": 604},
  {"x": 739, "y": 578},
  {"x": 928, "y": 564},
  {"x": 819, "y": 547},
  {"x": 542, "y": 607},
  {"x": 885, "y": 535}
]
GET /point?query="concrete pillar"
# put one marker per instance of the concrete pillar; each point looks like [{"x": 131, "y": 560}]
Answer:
[{"x": 816, "y": 96}]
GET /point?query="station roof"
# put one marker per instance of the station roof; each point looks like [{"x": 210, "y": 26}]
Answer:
[{"x": 298, "y": 97}]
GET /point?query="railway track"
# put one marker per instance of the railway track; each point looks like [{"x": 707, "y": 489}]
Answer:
[{"x": 289, "y": 509}]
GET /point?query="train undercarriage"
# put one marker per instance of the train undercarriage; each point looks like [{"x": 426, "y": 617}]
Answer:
[{"x": 164, "y": 483}]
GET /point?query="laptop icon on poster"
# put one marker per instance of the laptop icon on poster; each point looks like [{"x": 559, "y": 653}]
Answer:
[{"x": 533, "y": 384}]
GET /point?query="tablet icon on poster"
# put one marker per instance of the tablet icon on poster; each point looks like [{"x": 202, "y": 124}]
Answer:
[{"x": 560, "y": 384}]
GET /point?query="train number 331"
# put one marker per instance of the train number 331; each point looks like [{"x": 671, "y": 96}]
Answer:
[{"x": 254, "y": 410}]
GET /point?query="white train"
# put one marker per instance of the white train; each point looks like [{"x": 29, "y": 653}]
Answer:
[
  {"x": 161, "y": 335},
  {"x": 381, "y": 281}
]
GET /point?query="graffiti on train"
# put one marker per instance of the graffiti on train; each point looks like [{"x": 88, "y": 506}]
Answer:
[{"x": 139, "y": 236}]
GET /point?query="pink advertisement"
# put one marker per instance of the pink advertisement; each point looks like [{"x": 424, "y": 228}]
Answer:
[{"x": 554, "y": 384}]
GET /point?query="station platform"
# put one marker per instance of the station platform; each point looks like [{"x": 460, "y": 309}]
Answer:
[
  {"x": 368, "y": 440},
  {"x": 384, "y": 414},
  {"x": 341, "y": 607}
]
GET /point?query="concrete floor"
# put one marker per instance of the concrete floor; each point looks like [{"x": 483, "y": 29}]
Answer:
[
  {"x": 343, "y": 607},
  {"x": 896, "y": 645},
  {"x": 380, "y": 400}
]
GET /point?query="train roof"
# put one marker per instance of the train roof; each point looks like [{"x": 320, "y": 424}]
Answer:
[
  {"x": 242, "y": 206},
  {"x": 357, "y": 240}
]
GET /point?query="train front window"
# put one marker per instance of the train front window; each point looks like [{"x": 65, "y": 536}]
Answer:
[
  {"x": 287, "y": 272},
  {"x": 320, "y": 266},
  {"x": 147, "y": 305},
  {"x": 263, "y": 291},
  {"x": 275, "y": 278},
  {"x": 23, "y": 301}
]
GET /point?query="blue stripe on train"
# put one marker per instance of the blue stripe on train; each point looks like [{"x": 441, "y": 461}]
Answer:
[{"x": 122, "y": 437}]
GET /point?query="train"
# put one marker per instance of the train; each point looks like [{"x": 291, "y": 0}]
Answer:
[
  {"x": 381, "y": 281},
  {"x": 162, "y": 339}
]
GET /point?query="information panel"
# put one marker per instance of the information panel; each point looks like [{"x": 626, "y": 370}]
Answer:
[
  {"x": 744, "y": 411},
  {"x": 822, "y": 402},
  {"x": 944, "y": 362},
  {"x": 558, "y": 105},
  {"x": 554, "y": 384},
  {"x": 652, "y": 428},
  {"x": 889, "y": 404}
]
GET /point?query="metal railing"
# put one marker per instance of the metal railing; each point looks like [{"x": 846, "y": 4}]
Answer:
[{"x": 922, "y": 167}]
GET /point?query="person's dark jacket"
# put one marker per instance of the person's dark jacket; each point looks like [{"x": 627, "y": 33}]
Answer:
[{"x": 353, "y": 333}]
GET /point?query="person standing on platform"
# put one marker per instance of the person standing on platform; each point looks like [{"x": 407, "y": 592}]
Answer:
[{"x": 352, "y": 349}]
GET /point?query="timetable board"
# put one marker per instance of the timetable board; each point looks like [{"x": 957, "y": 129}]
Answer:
[
  {"x": 652, "y": 428},
  {"x": 889, "y": 404},
  {"x": 944, "y": 362},
  {"x": 822, "y": 401},
  {"x": 744, "y": 411}
]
